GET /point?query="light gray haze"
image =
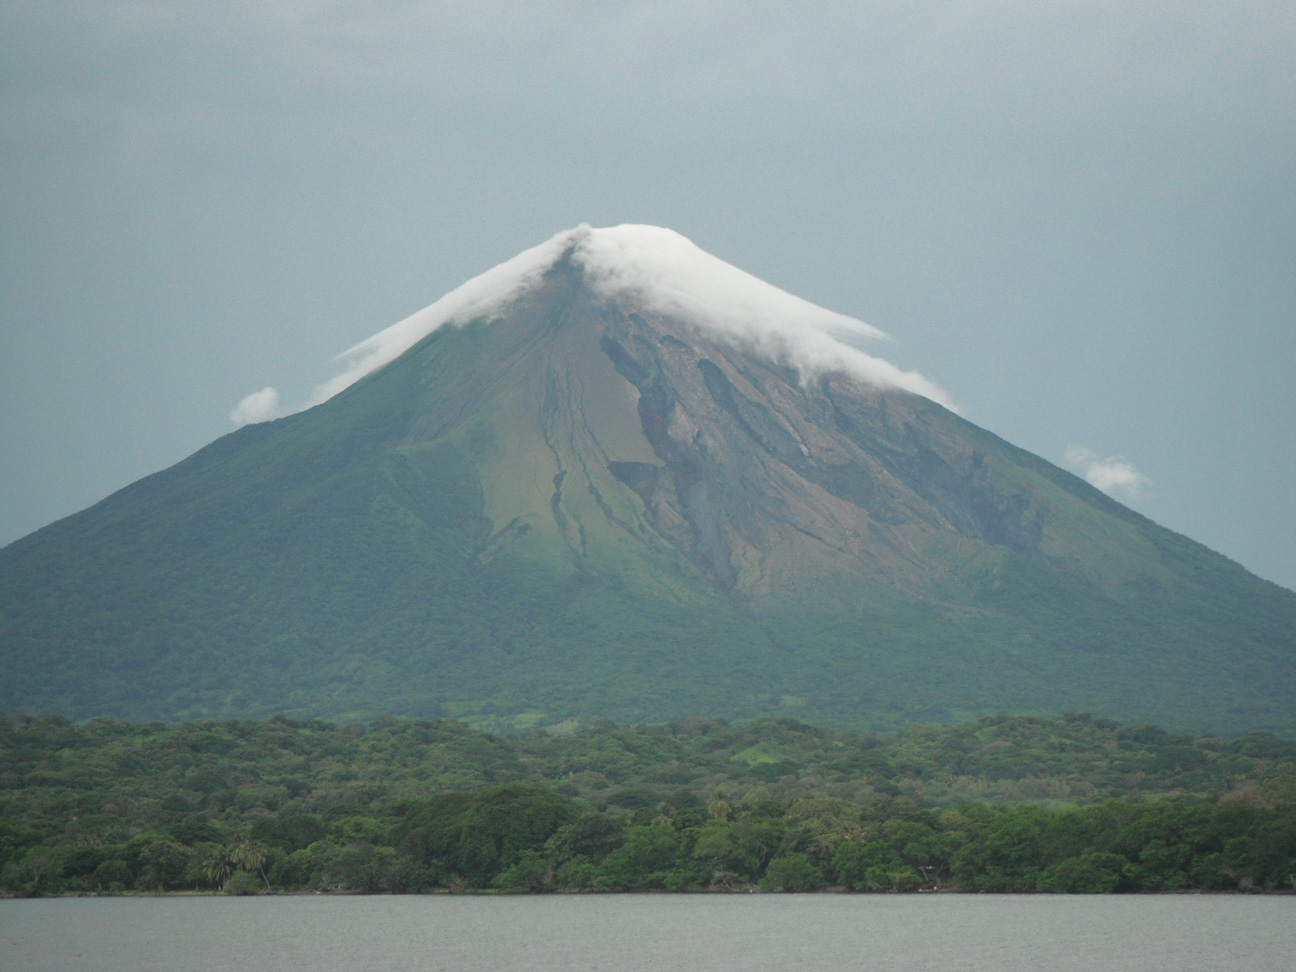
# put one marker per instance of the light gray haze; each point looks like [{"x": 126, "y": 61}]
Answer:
[{"x": 1078, "y": 219}]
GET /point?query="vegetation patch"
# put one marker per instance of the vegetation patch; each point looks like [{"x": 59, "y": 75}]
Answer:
[
  {"x": 761, "y": 753},
  {"x": 1065, "y": 805}
]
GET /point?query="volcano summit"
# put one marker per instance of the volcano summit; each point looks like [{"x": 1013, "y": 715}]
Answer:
[{"x": 618, "y": 477}]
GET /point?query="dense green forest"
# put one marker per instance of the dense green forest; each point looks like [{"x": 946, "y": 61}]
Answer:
[{"x": 1000, "y": 804}]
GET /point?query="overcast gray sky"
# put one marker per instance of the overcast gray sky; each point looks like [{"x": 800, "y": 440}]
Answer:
[{"x": 1078, "y": 218}]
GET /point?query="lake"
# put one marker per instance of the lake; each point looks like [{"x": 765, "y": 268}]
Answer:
[{"x": 663, "y": 933}]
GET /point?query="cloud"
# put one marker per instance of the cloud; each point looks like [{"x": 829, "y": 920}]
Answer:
[
  {"x": 658, "y": 270},
  {"x": 260, "y": 406},
  {"x": 1114, "y": 475},
  {"x": 661, "y": 270},
  {"x": 479, "y": 297}
]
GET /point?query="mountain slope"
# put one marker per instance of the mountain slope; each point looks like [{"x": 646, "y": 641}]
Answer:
[{"x": 585, "y": 501}]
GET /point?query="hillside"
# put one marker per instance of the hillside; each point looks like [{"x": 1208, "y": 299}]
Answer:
[{"x": 578, "y": 502}]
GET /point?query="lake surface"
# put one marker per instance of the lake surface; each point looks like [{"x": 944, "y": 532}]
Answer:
[{"x": 628, "y": 933}]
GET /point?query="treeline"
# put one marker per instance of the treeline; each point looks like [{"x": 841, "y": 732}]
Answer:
[
  {"x": 52, "y": 768},
  {"x": 1001, "y": 804},
  {"x": 516, "y": 837}
]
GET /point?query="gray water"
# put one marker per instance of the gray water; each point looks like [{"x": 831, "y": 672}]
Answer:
[{"x": 627, "y": 933}]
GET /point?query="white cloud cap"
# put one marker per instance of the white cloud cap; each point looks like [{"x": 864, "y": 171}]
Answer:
[
  {"x": 658, "y": 270},
  {"x": 260, "y": 406},
  {"x": 665, "y": 272},
  {"x": 1114, "y": 475},
  {"x": 479, "y": 297}
]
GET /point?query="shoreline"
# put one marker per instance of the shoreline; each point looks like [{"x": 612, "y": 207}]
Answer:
[{"x": 735, "y": 892}]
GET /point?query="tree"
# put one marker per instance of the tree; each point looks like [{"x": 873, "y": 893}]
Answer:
[
  {"x": 219, "y": 867},
  {"x": 792, "y": 872},
  {"x": 1091, "y": 873},
  {"x": 719, "y": 808},
  {"x": 165, "y": 865},
  {"x": 250, "y": 857}
]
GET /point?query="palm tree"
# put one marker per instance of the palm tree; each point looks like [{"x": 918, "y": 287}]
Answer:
[
  {"x": 219, "y": 867},
  {"x": 250, "y": 857},
  {"x": 719, "y": 808}
]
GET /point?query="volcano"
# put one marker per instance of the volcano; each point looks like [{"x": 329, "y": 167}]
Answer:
[{"x": 616, "y": 477}]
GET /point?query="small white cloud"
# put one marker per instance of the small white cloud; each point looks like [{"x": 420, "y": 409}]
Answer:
[
  {"x": 1114, "y": 475},
  {"x": 260, "y": 406}
]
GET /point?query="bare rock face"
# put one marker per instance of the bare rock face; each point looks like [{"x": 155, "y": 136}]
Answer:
[
  {"x": 759, "y": 477},
  {"x": 617, "y": 478}
]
